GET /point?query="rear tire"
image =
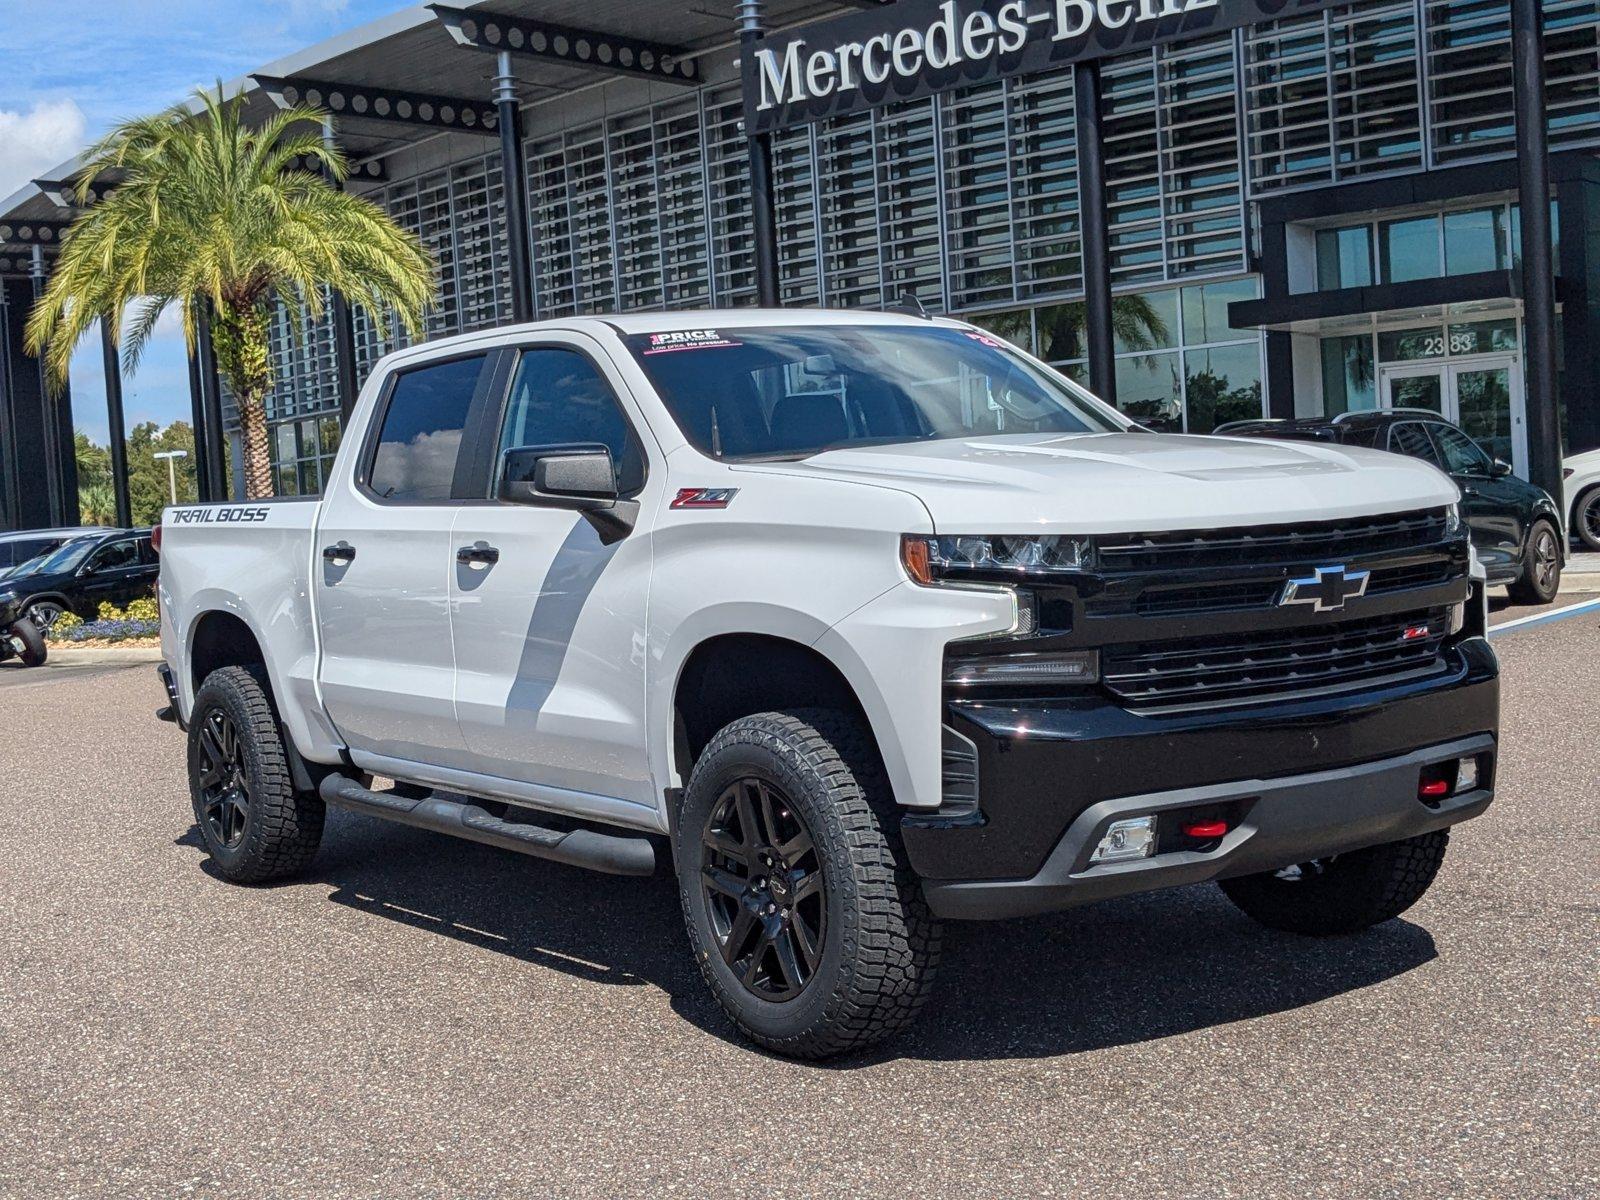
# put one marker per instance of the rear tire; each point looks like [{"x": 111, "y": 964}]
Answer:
[
  {"x": 808, "y": 925},
  {"x": 29, "y": 639},
  {"x": 1540, "y": 579},
  {"x": 1343, "y": 894},
  {"x": 1586, "y": 518},
  {"x": 255, "y": 825}
]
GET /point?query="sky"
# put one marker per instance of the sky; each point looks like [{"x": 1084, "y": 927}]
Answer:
[{"x": 74, "y": 68}]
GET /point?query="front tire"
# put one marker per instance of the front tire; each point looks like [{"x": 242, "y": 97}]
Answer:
[
  {"x": 807, "y": 923},
  {"x": 1343, "y": 894},
  {"x": 44, "y": 614},
  {"x": 255, "y": 825},
  {"x": 1541, "y": 566},
  {"x": 28, "y": 638}
]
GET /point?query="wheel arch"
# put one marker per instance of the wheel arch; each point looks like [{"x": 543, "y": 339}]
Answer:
[
  {"x": 58, "y": 597},
  {"x": 219, "y": 638},
  {"x": 805, "y": 677}
]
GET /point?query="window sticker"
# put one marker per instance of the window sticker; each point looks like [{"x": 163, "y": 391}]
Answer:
[{"x": 689, "y": 339}]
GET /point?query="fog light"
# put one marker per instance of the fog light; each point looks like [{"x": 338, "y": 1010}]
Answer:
[
  {"x": 1132, "y": 838},
  {"x": 1467, "y": 774}
]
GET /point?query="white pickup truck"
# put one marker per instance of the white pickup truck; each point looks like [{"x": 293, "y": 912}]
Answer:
[{"x": 860, "y": 622}]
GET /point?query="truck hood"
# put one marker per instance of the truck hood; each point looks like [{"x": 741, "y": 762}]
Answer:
[{"x": 1134, "y": 482}]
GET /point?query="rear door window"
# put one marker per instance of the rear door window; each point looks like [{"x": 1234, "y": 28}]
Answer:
[{"x": 418, "y": 447}]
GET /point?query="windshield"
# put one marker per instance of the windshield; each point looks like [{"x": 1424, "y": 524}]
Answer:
[
  {"x": 788, "y": 393},
  {"x": 64, "y": 557}
]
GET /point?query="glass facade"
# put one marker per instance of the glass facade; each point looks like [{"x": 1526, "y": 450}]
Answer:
[{"x": 969, "y": 200}]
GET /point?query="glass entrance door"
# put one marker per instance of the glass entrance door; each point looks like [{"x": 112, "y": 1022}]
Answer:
[{"x": 1482, "y": 394}]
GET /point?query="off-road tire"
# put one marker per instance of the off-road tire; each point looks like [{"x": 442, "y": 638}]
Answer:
[
  {"x": 283, "y": 827},
  {"x": 880, "y": 944},
  {"x": 1534, "y": 585},
  {"x": 1346, "y": 893},
  {"x": 33, "y": 652}
]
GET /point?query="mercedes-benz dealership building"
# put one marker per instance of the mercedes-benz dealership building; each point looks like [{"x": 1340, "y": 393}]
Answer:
[{"x": 1233, "y": 208}]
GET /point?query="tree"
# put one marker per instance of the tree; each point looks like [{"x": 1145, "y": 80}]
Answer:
[{"x": 208, "y": 211}]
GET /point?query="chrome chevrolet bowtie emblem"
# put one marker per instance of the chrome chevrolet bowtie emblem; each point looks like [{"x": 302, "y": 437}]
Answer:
[{"x": 1328, "y": 589}]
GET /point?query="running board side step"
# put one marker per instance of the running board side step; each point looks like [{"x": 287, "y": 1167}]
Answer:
[{"x": 577, "y": 848}]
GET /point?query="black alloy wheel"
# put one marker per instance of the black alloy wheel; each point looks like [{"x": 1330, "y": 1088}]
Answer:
[
  {"x": 225, "y": 795},
  {"x": 1546, "y": 559},
  {"x": 764, "y": 890},
  {"x": 1540, "y": 579}
]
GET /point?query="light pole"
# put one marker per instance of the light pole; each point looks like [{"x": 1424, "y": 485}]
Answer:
[{"x": 172, "y": 470}]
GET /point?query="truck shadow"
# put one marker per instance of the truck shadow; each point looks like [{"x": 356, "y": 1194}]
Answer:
[{"x": 1114, "y": 974}]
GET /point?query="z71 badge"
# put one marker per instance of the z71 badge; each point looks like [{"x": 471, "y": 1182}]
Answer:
[{"x": 704, "y": 497}]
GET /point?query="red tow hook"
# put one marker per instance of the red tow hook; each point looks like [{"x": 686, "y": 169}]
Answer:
[{"x": 1205, "y": 831}]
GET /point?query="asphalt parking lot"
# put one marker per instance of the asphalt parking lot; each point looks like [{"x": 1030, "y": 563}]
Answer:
[{"x": 419, "y": 1017}]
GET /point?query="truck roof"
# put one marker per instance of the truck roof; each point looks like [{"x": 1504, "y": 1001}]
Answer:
[{"x": 629, "y": 324}]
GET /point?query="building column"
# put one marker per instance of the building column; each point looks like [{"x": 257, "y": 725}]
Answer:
[
  {"x": 31, "y": 465},
  {"x": 1578, "y": 202},
  {"x": 344, "y": 332},
  {"x": 211, "y": 402},
  {"x": 514, "y": 185},
  {"x": 763, "y": 203},
  {"x": 1095, "y": 228},
  {"x": 197, "y": 419},
  {"x": 10, "y": 462},
  {"x": 116, "y": 434},
  {"x": 1538, "y": 268},
  {"x": 50, "y": 424}
]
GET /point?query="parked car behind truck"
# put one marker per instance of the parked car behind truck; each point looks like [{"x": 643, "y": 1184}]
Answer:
[
  {"x": 872, "y": 621},
  {"x": 1516, "y": 528}
]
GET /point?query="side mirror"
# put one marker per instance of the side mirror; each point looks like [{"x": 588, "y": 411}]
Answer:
[
  {"x": 578, "y": 477},
  {"x": 1499, "y": 469}
]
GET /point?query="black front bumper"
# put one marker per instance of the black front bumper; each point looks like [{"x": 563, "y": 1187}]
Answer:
[{"x": 1301, "y": 778}]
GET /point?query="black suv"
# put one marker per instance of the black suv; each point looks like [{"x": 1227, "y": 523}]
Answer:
[
  {"x": 116, "y": 566},
  {"x": 1516, "y": 527},
  {"x": 18, "y": 548}
]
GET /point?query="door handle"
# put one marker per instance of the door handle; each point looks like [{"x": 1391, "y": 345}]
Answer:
[
  {"x": 1470, "y": 491},
  {"x": 478, "y": 555},
  {"x": 340, "y": 555}
]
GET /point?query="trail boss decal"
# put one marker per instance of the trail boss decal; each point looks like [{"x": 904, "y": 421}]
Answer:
[
  {"x": 917, "y": 48},
  {"x": 688, "y": 339},
  {"x": 704, "y": 497},
  {"x": 216, "y": 516}
]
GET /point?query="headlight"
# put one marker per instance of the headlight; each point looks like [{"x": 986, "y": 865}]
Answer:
[
  {"x": 996, "y": 559},
  {"x": 1452, "y": 520}
]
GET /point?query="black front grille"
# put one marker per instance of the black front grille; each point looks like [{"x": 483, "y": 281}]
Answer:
[
  {"x": 1213, "y": 670},
  {"x": 1232, "y": 595},
  {"x": 1307, "y": 542}
]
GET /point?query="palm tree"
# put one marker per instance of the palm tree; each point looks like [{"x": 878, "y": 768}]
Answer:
[
  {"x": 207, "y": 210},
  {"x": 1135, "y": 323},
  {"x": 97, "y": 504}
]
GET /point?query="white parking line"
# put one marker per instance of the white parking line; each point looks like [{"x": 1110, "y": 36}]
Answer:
[{"x": 1570, "y": 610}]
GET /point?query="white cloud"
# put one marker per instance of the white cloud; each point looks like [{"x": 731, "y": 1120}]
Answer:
[{"x": 34, "y": 142}]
